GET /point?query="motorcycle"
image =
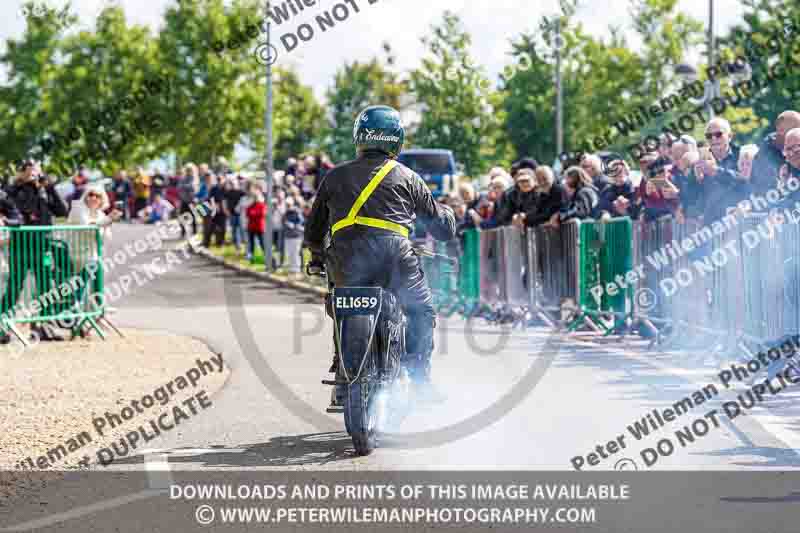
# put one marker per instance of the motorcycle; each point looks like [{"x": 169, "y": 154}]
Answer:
[{"x": 372, "y": 386}]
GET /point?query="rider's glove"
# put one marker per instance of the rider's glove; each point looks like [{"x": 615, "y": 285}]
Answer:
[{"x": 317, "y": 264}]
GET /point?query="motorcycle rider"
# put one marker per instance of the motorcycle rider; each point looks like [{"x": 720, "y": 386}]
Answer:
[{"x": 370, "y": 205}]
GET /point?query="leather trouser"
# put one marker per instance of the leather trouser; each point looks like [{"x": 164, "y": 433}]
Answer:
[{"x": 376, "y": 258}]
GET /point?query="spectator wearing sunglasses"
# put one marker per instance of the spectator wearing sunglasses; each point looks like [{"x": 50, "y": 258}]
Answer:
[
  {"x": 727, "y": 187},
  {"x": 90, "y": 210}
]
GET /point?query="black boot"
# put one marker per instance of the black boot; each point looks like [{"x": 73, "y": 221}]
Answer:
[{"x": 5, "y": 338}]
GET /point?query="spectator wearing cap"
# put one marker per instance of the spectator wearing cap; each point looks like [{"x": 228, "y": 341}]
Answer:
[
  {"x": 551, "y": 198},
  {"x": 619, "y": 199},
  {"x": 518, "y": 200},
  {"x": 770, "y": 158},
  {"x": 583, "y": 197},
  {"x": 526, "y": 162},
  {"x": 593, "y": 165}
]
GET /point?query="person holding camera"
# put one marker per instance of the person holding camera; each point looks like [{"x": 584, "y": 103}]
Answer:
[{"x": 38, "y": 202}]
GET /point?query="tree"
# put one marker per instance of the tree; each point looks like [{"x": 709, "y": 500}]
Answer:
[
  {"x": 356, "y": 86},
  {"x": 455, "y": 99},
  {"x": 217, "y": 97},
  {"x": 100, "y": 106},
  {"x": 767, "y": 39},
  {"x": 31, "y": 70},
  {"x": 599, "y": 79},
  {"x": 299, "y": 117}
]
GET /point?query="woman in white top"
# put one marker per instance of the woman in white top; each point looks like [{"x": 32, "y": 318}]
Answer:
[{"x": 89, "y": 211}]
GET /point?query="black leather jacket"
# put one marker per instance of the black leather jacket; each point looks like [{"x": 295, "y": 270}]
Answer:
[
  {"x": 401, "y": 197},
  {"x": 37, "y": 204}
]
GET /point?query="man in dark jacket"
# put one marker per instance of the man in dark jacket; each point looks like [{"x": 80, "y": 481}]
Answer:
[
  {"x": 37, "y": 202},
  {"x": 551, "y": 197},
  {"x": 727, "y": 187},
  {"x": 619, "y": 198},
  {"x": 518, "y": 200},
  {"x": 770, "y": 159},
  {"x": 370, "y": 205}
]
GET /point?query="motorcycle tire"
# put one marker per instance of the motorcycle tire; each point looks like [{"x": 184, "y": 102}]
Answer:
[
  {"x": 357, "y": 410},
  {"x": 355, "y": 335}
]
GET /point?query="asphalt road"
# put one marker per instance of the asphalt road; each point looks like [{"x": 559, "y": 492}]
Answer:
[{"x": 516, "y": 399}]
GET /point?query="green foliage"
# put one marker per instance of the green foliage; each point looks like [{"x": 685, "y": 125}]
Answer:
[
  {"x": 455, "y": 99},
  {"x": 298, "y": 117},
  {"x": 770, "y": 32},
  {"x": 31, "y": 73},
  {"x": 73, "y": 97},
  {"x": 358, "y": 85},
  {"x": 602, "y": 79}
]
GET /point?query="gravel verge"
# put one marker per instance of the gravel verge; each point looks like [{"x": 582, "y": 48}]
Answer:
[{"x": 51, "y": 392}]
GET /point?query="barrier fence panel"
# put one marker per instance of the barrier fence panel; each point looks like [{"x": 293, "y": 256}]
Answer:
[
  {"x": 739, "y": 283},
  {"x": 616, "y": 261},
  {"x": 556, "y": 265},
  {"x": 513, "y": 261},
  {"x": 469, "y": 269},
  {"x": 49, "y": 274},
  {"x": 490, "y": 266}
]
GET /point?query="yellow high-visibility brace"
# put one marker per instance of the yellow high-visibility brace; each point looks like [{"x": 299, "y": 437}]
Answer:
[{"x": 353, "y": 218}]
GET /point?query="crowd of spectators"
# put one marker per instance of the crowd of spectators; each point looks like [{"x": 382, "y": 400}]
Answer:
[{"x": 689, "y": 179}]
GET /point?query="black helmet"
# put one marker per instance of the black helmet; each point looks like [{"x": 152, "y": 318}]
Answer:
[{"x": 379, "y": 128}]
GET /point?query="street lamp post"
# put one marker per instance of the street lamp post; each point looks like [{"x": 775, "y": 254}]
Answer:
[
  {"x": 559, "y": 92},
  {"x": 268, "y": 156}
]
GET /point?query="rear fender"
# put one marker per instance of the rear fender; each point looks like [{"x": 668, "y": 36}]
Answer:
[{"x": 356, "y": 312}]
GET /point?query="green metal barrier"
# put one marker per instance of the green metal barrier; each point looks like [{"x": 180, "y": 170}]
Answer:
[
  {"x": 605, "y": 252},
  {"x": 51, "y": 274},
  {"x": 469, "y": 276}
]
